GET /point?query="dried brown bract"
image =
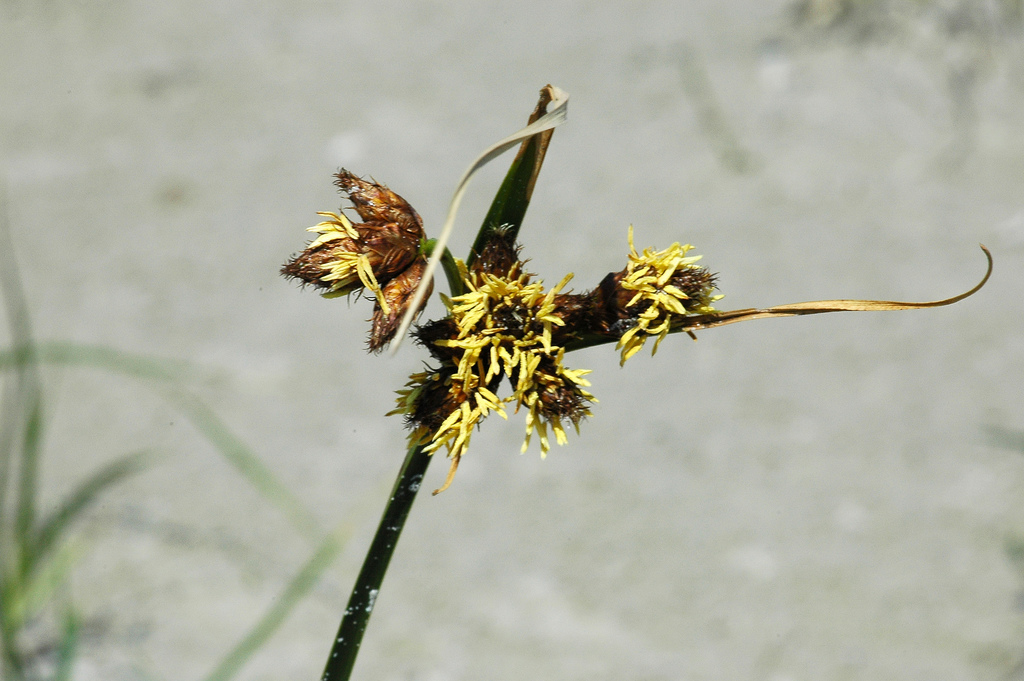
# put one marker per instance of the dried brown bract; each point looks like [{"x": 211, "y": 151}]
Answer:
[{"x": 398, "y": 295}]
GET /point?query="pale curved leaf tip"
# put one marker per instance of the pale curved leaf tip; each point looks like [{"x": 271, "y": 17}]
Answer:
[
  {"x": 822, "y": 306},
  {"x": 557, "y": 110}
]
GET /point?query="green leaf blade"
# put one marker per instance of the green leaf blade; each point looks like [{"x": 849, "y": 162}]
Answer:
[
  {"x": 513, "y": 198},
  {"x": 87, "y": 492}
]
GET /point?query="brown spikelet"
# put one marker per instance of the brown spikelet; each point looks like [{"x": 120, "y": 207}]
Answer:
[
  {"x": 436, "y": 402},
  {"x": 310, "y": 265},
  {"x": 499, "y": 255},
  {"x": 387, "y": 243},
  {"x": 376, "y": 204},
  {"x": 398, "y": 294}
]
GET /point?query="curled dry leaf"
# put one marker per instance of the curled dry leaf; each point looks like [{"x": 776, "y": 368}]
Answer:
[
  {"x": 556, "y": 106},
  {"x": 708, "y": 321}
]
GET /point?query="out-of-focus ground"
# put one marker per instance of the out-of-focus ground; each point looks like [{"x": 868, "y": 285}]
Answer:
[{"x": 790, "y": 499}]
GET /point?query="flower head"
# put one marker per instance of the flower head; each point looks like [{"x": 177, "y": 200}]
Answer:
[
  {"x": 380, "y": 254},
  {"x": 506, "y": 325},
  {"x": 656, "y": 290},
  {"x": 503, "y": 327}
]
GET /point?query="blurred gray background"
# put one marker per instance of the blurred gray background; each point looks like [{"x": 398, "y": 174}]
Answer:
[{"x": 794, "y": 499}]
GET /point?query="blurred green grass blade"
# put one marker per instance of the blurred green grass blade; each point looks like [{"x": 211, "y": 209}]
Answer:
[
  {"x": 28, "y": 475},
  {"x": 13, "y": 665},
  {"x": 86, "y": 493},
  {"x": 296, "y": 590},
  {"x": 711, "y": 115},
  {"x": 245, "y": 461},
  {"x": 104, "y": 357},
  {"x": 39, "y": 589},
  {"x": 10, "y": 598},
  {"x": 209, "y": 425},
  {"x": 997, "y": 436},
  {"x": 1014, "y": 548},
  {"x": 24, "y": 598},
  {"x": 68, "y": 647},
  {"x": 22, "y": 394}
]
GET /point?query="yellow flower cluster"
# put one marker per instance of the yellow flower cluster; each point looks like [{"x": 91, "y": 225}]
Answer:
[
  {"x": 651, "y": 276},
  {"x": 534, "y": 390},
  {"x": 350, "y": 269},
  {"x": 502, "y": 327}
]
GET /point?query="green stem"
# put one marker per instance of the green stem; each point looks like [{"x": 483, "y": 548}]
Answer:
[
  {"x": 451, "y": 270},
  {"x": 367, "y": 586}
]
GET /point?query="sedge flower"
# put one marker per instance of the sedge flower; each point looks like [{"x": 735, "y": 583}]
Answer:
[
  {"x": 502, "y": 344},
  {"x": 380, "y": 255},
  {"x": 504, "y": 327},
  {"x": 662, "y": 287}
]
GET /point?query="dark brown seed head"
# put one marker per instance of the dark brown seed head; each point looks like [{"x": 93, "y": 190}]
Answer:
[
  {"x": 435, "y": 330},
  {"x": 435, "y": 402},
  {"x": 581, "y": 313},
  {"x": 608, "y": 312},
  {"x": 389, "y": 250},
  {"x": 312, "y": 264},
  {"x": 376, "y": 204},
  {"x": 559, "y": 399},
  {"x": 398, "y": 294},
  {"x": 387, "y": 244},
  {"x": 499, "y": 256}
]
